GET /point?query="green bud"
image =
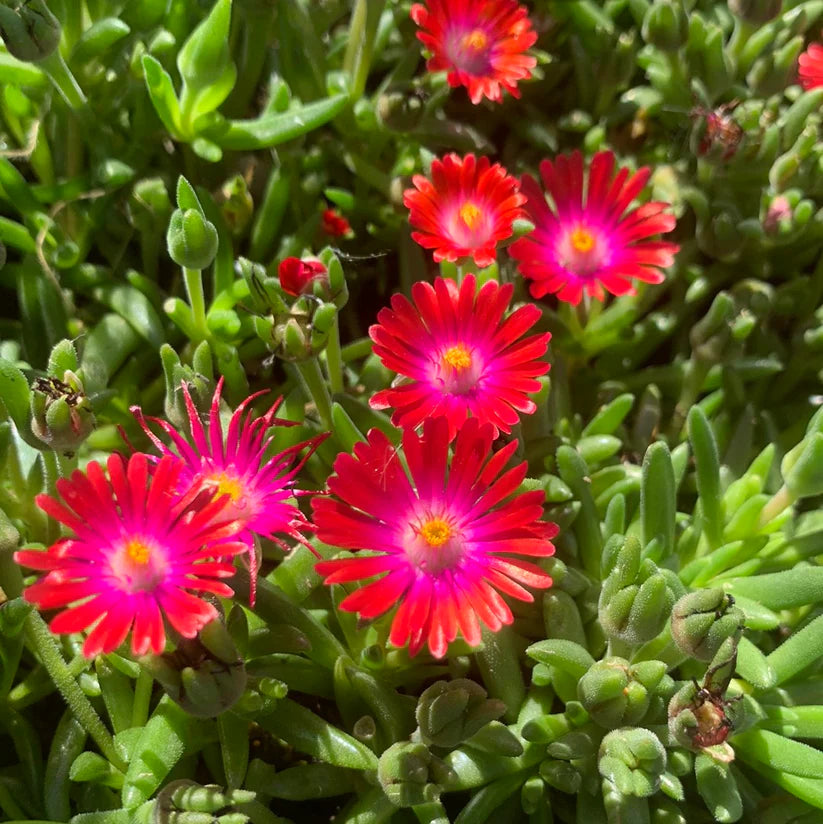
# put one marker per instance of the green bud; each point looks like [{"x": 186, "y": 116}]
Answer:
[
  {"x": 405, "y": 771},
  {"x": 703, "y": 620},
  {"x": 802, "y": 467},
  {"x": 205, "y": 55},
  {"x": 400, "y": 111},
  {"x": 666, "y": 25},
  {"x": 149, "y": 204},
  {"x": 562, "y": 776},
  {"x": 237, "y": 206},
  {"x": 449, "y": 712},
  {"x": 62, "y": 416},
  {"x": 30, "y": 31},
  {"x": 756, "y": 12},
  {"x": 198, "y": 378},
  {"x": 292, "y": 337},
  {"x": 634, "y": 760},
  {"x": 191, "y": 239}
]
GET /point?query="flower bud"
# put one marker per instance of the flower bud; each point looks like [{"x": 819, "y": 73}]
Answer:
[
  {"x": 756, "y": 12},
  {"x": 410, "y": 774},
  {"x": 186, "y": 796},
  {"x": 703, "y": 620},
  {"x": 634, "y": 760},
  {"x": 297, "y": 277},
  {"x": 334, "y": 224},
  {"x": 778, "y": 216},
  {"x": 30, "y": 31},
  {"x": 400, "y": 111},
  {"x": 205, "y": 56},
  {"x": 191, "y": 239},
  {"x": 449, "y": 712},
  {"x": 62, "y": 416},
  {"x": 666, "y": 25},
  {"x": 198, "y": 379},
  {"x": 237, "y": 205},
  {"x": 616, "y": 693},
  {"x": 561, "y": 775}
]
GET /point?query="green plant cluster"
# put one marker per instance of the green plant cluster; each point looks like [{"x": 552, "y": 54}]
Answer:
[{"x": 159, "y": 159}]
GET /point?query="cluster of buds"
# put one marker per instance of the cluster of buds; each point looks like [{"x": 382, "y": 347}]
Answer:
[{"x": 410, "y": 775}]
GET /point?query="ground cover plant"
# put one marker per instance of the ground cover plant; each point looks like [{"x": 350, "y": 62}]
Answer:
[{"x": 411, "y": 412}]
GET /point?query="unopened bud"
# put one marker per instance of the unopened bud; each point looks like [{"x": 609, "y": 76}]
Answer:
[
  {"x": 703, "y": 620},
  {"x": 297, "y": 277},
  {"x": 62, "y": 416},
  {"x": 191, "y": 239},
  {"x": 410, "y": 775},
  {"x": 756, "y": 12},
  {"x": 30, "y": 31},
  {"x": 666, "y": 25},
  {"x": 634, "y": 760}
]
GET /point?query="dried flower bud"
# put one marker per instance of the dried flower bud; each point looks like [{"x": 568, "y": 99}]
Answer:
[{"x": 62, "y": 416}]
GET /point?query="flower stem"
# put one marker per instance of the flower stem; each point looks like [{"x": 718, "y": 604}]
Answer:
[
  {"x": 362, "y": 31},
  {"x": 334, "y": 358},
  {"x": 197, "y": 299},
  {"x": 39, "y": 637},
  {"x": 63, "y": 80},
  {"x": 142, "y": 697},
  {"x": 318, "y": 391}
]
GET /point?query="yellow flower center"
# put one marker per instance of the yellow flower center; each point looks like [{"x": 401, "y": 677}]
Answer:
[
  {"x": 582, "y": 240},
  {"x": 436, "y": 532},
  {"x": 470, "y": 214},
  {"x": 476, "y": 40},
  {"x": 227, "y": 485},
  {"x": 138, "y": 552},
  {"x": 458, "y": 357}
]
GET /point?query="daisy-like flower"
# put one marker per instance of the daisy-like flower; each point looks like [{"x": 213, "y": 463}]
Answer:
[
  {"x": 585, "y": 241},
  {"x": 442, "y": 533},
  {"x": 481, "y": 43},
  {"x": 810, "y": 67},
  {"x": 465, "y": 209},
  {"x": 460, "y": 356},
  {"x": 260, "y": 488},
  {"x": 138, "y": 546}
]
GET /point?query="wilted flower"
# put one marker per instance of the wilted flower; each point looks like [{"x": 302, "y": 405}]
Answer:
[
  {"x": 260, "y": 487},
  {"x": 139, "y": 545},
  {"x": 585, "y": 241},
  {"x": 461, "y": 357},
  {"x": 466, "y": 208},
  {"x": 810, "y": 67},
  {"x": 440, "y": 531},
  {"x": 334, "y": 224},
  {"x": 297, "y": 276},
  {"x": 481, "y": 43}
]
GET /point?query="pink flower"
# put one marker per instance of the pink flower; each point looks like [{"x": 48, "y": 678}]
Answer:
[
  {"x": 585, "y": 240},
  {"x": 460, "y": 356},
  {"x": 138, "y": 547},
  {"x": 480, "y": 42},
  {"x": 441, "y": 531},
  {"x": 810, "y": 67},
  {"x": 297, "y": 276},
  {"x": 465, "y": 209},
  {"x": 260, "y": 487}
]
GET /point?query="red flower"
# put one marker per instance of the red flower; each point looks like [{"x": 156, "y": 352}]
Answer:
[
  {"x": 465, "y": 209},
  {"x": 297, "y": 276},
  {"x": 334, "y": 224},
  {"x": 442, "y": 530},
  {"x": 459, "y": 354},
  {"x": 810, "y": 67},
  {"x": 585, "y": 240},
  {"x": 480, "y": 42}
]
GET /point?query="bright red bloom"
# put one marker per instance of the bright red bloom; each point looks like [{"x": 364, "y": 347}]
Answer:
[
  {"x": 334, "y": 224},
  {"x": 297, "y": 276},
  {"x": 810, "y": 67},
  {"x": 585, "y": 240},
  {"x": 465, "y": 209},
  {"x": 260, "y": 486},
  {"x": 441, "y": 531},
  {"x": 138, "y": 547},
  {"x": 461, "y": 357},
  {"x": 480, "y": 42}
]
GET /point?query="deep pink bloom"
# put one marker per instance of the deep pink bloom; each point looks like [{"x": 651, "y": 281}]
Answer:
[
  {"x": 466, "y": 208},
  {"x": 481, "y": 43},
  {"x": 297, "y": 276},
  {"x": 459, "y": 354},
  {"x": 334, "y": 224},
  {"x": 585, "y": 240},
  {"x": 260, "y": 487},
  {"x": 810, "y": 67},
  {"x": 138, "y": 547},
  {"x": 441, "y": 531}
]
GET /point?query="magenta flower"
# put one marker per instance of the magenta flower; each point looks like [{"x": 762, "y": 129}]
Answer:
[
  {"x": 138, "y": 547},
  {"x": 459, "y": 354},
  {"x": 260, "y": 488},
  {"x": 442, "y": 532},
  {"x": 585, "y": 241}
]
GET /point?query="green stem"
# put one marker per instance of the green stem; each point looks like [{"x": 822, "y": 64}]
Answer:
[
  {"x": 315, "y": 384},
  {"x": 63, "y": 80},
  {"x": 362, "y": 31},
  {"x": 142, "y": 696},
  {"x": 197, "y": 299},
  {"x": 334, "y": 359},
  {"x": 39, "y": 637},
  {"x": 356, "y": 350}
]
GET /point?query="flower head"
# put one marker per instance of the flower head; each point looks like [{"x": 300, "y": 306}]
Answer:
[
  {"x": 297, "y": 276},
  {"x": 459, "y": 354},
  {"x": 442, "y": 533},
  {"x": 260, "y": 488},
  {"x": 138, "y": 546},
  {"x": 334, "y": 224},
  {"x": 585, "y": 240},
  {"x": 465, "y": 209},
  {"x": 810, "y": 67},
  {"x": 481, "y": 43}
]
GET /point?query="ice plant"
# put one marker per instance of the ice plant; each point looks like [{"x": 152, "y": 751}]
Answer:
[
  {"x": 442, "y": 532},
  {"x": 334, "y": 224},
  {"x": 481, "y": 43},
  {"x": 297, "y": 276},
  {"x": 460, "y": 356},
  {"x": 810, "y": 67},
  {"x": 138, "y": 547},
  {"x": 586, "y": 241},
  {"x": 466, "y": 208},
  {"x": 260, "y": 487}
]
